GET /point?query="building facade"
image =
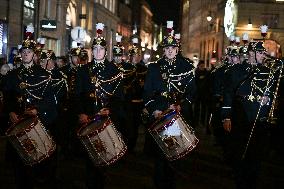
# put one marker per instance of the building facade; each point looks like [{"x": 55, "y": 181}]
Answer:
[
  {"x": 142, "y": 19},
  {"x": 54, "y": 20},
  {"x": 15, "y": 15},
  {"x": 207, "y": 25}
]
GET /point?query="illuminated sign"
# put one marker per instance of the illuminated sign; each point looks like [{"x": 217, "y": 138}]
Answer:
[
  {"x": 48, "y": 24},
  {"x": 230, "y": 18}
]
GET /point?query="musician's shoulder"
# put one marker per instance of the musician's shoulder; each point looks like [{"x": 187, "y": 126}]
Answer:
[{"x": 153, "y": 63}]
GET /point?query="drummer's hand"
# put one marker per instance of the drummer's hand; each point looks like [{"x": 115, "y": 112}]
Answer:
[
  {"x": 227, "y": 125},
  {"x": 104, "y": 112},
  {"x": 157, "y": 114},
  {"x": 13, "y": 117},
  {"x": 83, "y": 118},
  {"x": 31, "y": 111},
  {"x": 175, "y": 107}
]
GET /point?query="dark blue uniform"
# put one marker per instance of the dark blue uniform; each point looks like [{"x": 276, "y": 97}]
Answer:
[
  {"x": 136, "y": 101},
  {"x": 68, "y": 114},
  {"x": 217, "y": 96},
  {"x": 99, "y": 85},
  {"x": 32, "y": 88},
  {"x": 233, "y": 78},
  {"x": 168, "y": 83},
  {"x": 249, "y": 135}
]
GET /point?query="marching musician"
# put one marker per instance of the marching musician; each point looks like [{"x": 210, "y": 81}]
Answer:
[
  {"x": 128, "y": 71},
  {"x": 234, "y": 57},
  {"x": 100, "y": 91},
  {"x": 217, "y": 96},
  {"x": 28, "y": 91},
  {"x": 47, "y": 60},
  {"x": 169, "y": 84},
  {"x": 136, "y": 91},
  {"x": 201, "y": 102},
  {"x": 68, "y": 123},
  {"x": 247, "y": 120},
  {"x": 233, "y": 76}
]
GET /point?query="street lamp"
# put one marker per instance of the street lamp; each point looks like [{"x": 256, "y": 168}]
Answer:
[
  {"x": 209, "y": 17},
  {"x": 249, "y": 23}
]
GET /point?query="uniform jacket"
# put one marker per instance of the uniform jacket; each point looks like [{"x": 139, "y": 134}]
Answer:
[{"x": 167, "y": 83}]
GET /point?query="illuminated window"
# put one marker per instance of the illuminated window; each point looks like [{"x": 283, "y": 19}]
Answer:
[{"x": 29, "y": 12}]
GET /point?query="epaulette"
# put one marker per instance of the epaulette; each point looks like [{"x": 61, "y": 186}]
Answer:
[{"x": 154, "y": 62}]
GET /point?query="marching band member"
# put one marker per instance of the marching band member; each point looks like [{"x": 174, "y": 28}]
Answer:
[
  {"x": 136, "y": 91},
  {"x": 169, "y": 84},
  {"x": 68, "y": 123},
  {"x": 217, "y": 97},
  {"x": 248, "y": 118},
  {"x": 100, "y": 91},
  {"x": 28, "y": 90},
  {"x": 128, "y": 71}
]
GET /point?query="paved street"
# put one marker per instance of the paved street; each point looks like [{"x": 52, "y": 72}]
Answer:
[{"x": 203, "y": 169}]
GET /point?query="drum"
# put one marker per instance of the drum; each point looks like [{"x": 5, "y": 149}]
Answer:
[
  {"x": 173, "y": 135},
  {"x": 102, "y": 141},
  {"x": 31, "y": 140}
]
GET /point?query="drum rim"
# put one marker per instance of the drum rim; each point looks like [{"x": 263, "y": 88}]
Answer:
[
  {"x": 114, "y": 159},
  {"x": 22, "y": 131},
  {"x": 167, "y": 113},
  {"x": 95, "y": 131}
]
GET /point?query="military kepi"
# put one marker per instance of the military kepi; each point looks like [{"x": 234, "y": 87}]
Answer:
[
  {"x": 170, "y": 39},
  {"x": 28, "y": 42},
  {"x": 99, "y": 39},
  {"x": 118, "y": 48}
]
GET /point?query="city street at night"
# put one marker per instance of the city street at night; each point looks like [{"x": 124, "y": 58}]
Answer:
[{"x": 141, "y": 94}]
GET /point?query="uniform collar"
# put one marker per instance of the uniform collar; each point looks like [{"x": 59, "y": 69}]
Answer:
[{"x": 28, "y": 65}]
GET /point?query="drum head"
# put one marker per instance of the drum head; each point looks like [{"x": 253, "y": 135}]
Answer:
[
  {"x": 164, "y": 120},
  {"x": 94, "y": 125},
  {"x": 22, "y": 125}
]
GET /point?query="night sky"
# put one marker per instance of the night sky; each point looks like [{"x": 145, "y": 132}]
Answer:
[{"x": 164, "y": 10}]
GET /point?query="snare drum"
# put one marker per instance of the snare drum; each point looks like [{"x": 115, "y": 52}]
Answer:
[
  {"x": 102, "y": 141},
  {"x": 31, "y": 140},
  {"x": 173, "y": 135}
]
